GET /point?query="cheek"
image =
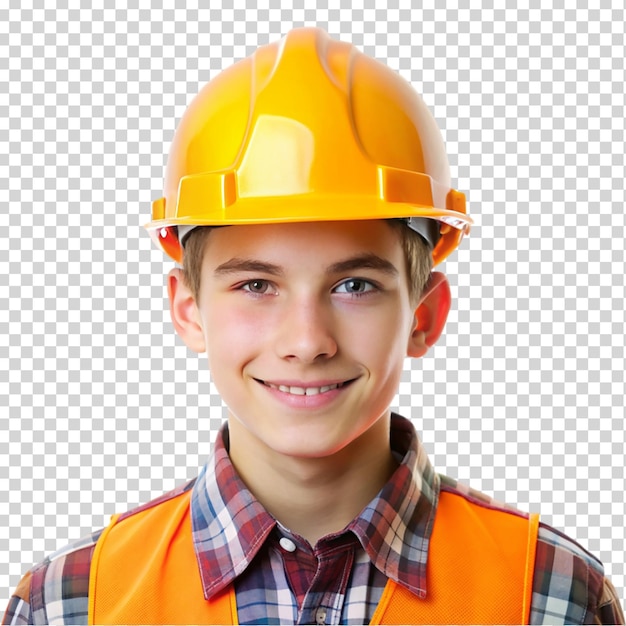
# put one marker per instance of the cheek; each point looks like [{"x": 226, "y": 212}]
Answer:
[
  {"x": 232, "y": 334},
  {"x": 380, "y": 339}
]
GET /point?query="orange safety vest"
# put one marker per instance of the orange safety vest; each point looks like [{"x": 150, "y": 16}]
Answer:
[{"x": 479, "y": 571}]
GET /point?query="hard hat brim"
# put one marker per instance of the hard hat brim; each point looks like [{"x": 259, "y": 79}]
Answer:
[{"x": 289, "y": 209}]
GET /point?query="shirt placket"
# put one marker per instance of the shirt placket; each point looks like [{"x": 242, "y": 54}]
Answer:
[{"x": 324, "y": 600}]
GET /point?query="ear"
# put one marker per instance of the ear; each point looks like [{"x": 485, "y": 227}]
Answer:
[
  {"x": 184, "y": 312},
  {"x": 430, "y": 315}
]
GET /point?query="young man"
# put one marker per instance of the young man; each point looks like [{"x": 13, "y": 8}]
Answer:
[{"x": 308, "y": 197}]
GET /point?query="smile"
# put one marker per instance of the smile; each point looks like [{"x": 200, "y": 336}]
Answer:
[{"x": 305, "y": 391}]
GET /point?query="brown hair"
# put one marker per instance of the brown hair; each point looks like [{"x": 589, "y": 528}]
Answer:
[
  {"x": 418, "y": 257},
  {"x": 417, "y": 253}
]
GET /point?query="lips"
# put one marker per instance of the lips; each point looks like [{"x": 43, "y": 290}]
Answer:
[{"x": 309, "y": 390}]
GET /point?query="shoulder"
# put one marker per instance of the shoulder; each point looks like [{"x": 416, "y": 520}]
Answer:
[
  {"x": 569, "y": 585},
  {"x": 57, "y": 589}
]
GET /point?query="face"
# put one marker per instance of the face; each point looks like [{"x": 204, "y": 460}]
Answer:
[{"x": 306, "y": 327}]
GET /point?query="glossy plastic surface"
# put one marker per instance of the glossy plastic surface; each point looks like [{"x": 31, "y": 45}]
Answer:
[{"x": 307, "y": 129}]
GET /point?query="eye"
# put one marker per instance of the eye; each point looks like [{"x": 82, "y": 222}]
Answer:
[
  {"x": 257, "y": 286},
  {"x": 355, "y": 286}
]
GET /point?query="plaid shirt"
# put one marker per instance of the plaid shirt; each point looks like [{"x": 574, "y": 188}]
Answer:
[{"x": 280, "y": 578}]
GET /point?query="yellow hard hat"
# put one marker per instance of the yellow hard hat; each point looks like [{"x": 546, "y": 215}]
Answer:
[{"x": 308, "y": 129}]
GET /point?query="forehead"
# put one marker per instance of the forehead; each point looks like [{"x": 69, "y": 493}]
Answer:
[{"x": 313, "y": 241}]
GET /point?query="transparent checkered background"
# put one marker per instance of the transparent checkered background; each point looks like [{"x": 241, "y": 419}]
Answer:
[{"x": 102, "y": 407}]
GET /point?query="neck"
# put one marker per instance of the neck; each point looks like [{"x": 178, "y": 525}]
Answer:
[{"x": 314, "y": 497}]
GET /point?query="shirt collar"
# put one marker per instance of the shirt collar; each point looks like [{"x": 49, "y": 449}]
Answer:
[
  {"x": 395, "y": 527},
  {"x": 230, "y": 525}
]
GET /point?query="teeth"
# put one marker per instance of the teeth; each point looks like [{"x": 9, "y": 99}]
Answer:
[{"x": 303, "y": 391}]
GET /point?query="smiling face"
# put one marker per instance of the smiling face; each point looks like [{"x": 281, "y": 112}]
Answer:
[{"x": 306, "y": 327}]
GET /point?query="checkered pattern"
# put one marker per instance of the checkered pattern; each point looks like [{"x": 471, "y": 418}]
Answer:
[
  {"x": 238, "y": 542},
  {"x": 101, "y": 405}
]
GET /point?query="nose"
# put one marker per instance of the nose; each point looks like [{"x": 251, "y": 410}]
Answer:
[{"x": 306, "y": 332}]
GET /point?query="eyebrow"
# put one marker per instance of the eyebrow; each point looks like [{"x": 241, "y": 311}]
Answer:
[
  {"x": 361, "y": 261},
  {"x": 238, "y": 264}
]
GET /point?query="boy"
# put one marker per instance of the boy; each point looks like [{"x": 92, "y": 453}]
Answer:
[{"x": 307, "y": 198}]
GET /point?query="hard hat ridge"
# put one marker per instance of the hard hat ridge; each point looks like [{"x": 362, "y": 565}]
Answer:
[{"x": 308, "y": 129}]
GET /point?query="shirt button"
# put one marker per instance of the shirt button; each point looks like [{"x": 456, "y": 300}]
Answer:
[
  {"x": 320, "y": 616},
  {"x": 287, "y": 544}
]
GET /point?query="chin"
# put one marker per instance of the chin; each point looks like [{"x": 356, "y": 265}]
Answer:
[
  {"x": 305, "y": 443},
  {"x": 303, "y": 448}
]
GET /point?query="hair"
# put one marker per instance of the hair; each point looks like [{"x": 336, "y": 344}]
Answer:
[
  {"x": 193, "y": 256},
  {"x": 418, "y": 257},
  {"x": 417, "y": 254}
]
